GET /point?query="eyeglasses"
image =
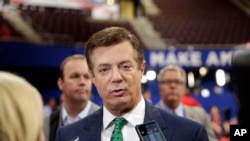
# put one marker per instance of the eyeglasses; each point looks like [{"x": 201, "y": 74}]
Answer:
[{"x": 168, "y": 82}]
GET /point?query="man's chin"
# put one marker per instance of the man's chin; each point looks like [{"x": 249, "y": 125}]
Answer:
[
  {"x": 172, "y": 100},
  {"x": 81, "y": 99}
]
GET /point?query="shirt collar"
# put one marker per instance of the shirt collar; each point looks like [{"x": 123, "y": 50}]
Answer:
[
  {"x": 134, "y": 117},
  {"x": 81, "y": 115}
]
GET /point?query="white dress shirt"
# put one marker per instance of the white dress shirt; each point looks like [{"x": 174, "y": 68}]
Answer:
[
  {"x": 65, "y": 116},
  {"x": 134, "y": 117}
]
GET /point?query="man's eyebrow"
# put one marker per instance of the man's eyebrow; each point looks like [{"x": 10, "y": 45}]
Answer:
[
  {"x": 103, "y": 65},
  {"x": 125, "y": 61},
  {"x": 122, "y": 62}
]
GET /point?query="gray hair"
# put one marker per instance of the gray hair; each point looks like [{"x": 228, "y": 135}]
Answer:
[{"x": 172, "y": 68}]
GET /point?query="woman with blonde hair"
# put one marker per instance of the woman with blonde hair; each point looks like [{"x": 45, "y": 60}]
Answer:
[{"x": 21, "y": 115}]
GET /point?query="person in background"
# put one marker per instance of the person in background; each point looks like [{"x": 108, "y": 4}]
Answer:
[
  {"x": 221, "y": 126},
  {"x": 172, "y": 86},
  {"x": 75, "y": 83},
  {"x": 49, "y": 106},
  {"x": 21, "y": 109},
  {"x": 116, "y": 62}
]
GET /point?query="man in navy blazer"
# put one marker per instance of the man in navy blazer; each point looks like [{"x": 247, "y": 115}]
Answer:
[
  {"x": 116, "y": 62},
  {"x": 173, "y": 127}
]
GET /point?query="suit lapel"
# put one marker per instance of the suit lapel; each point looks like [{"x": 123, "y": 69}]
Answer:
[
  {"x": 153, "y": 113},
  {"x": 91, "y": 130}
]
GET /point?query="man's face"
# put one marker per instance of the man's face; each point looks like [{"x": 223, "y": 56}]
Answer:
[
  {"x": 76, "y": 84},
  {"x": 116, "y": 76},
  {"x": 171, "y": 88}
]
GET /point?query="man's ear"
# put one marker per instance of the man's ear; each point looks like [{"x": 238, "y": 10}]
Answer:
[
  {"x": 143, "y": 66},
  {"x": 60, "y": 83}
]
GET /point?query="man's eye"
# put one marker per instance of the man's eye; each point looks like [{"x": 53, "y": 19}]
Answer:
[
  {"x": 103, "y": 70},
  {"x": 126, "y": 66},
  {"x": 74, "y": 76},
  {"x": 86, "y": 77}
]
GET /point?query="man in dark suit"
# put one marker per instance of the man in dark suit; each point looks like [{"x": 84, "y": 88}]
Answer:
[
  {"x": 116, "y": 63},
  {"x": 75, "y": 83}
]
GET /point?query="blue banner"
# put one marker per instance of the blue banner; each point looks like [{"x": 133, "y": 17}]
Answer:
[
  {"x": 34, "y": 55},
  {"x": 26, "y": 54},
  {"x": 195, "y": 58}
]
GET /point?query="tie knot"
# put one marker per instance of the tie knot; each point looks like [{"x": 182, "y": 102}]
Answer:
[{"x": 119, "y": 122}]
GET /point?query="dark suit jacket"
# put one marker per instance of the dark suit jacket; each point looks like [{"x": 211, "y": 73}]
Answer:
[
  {"x": 53, "y": 122},
  {"x": 174, "y": 128}
]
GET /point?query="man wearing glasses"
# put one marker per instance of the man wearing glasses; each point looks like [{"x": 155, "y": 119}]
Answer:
[{"x": 172, "y": 86}]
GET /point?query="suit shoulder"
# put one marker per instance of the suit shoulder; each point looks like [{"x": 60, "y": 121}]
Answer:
[
  {"x": 195, "y": 109},
  {"x": 198, "y": 108},
  {"x": 177, "y": 120},
  {"x": 85, "y": 122}
]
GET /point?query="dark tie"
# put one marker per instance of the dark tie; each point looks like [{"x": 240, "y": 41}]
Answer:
[{"x": 117, "y": 132}]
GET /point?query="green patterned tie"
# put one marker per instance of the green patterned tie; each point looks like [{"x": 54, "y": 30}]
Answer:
[{"x": 117, "y": 132}]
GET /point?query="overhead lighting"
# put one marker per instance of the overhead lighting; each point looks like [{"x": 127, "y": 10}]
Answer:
[
  {"x": 150, "y": 75},
  {"x": 191, "y": 79},
  {"x": 203, "y": 71},
  {"x": 205, "y": 93},
  {"x": 220, "y": 77}
]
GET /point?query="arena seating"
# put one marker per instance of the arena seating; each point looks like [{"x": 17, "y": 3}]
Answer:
[
  {"x": 6, "y": 30},
  {"x": 202, "y": 22},
  {"x": 180, "y": 22},
  {"x": 65, "y": 26}
]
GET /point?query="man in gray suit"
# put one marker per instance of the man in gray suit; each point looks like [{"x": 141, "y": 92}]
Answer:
[
  {"x": 172, "y": 85},
  {"x": 75, "y": 83}
]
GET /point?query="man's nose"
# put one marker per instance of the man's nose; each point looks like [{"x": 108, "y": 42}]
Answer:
[
  {"x": 82, "y": 80},
  {"x": 116, "y": 75},
  {"x": 173, "y": 84}
]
